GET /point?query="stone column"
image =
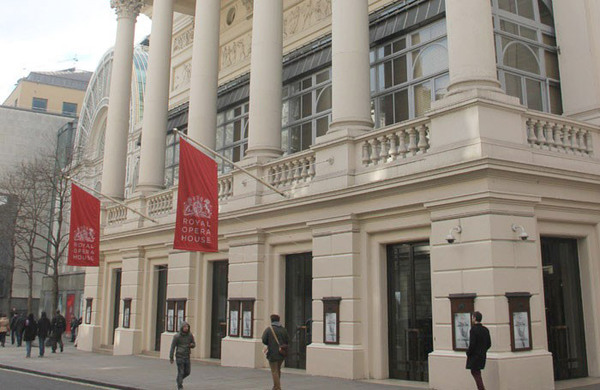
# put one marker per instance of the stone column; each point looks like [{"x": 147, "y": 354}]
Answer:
[
  {"x": 351, "y": 93},
  {"x": 89, "y": 334},
  {"x": 471, "y": 49},
  {"x": 264, "y": 139},
  {"x": 156, "y": 100},
  {"x": 117, "y": 123},
  {"x": 578, "y": 36},
  {"x": 202, "y": 118}
]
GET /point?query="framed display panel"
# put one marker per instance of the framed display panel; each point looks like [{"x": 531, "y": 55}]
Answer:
[
  {"x": 234, "y": 317},
  {"x": 126, "y": 312},
  {"x": 461, "y": 308},
  {"x": 520, "y": 321},
  {"x": 247, "y": 317},
  {"x": 175, "y": 315},
  {"x": 331, "y": 320},
  {"x": 88, "y": 310}
]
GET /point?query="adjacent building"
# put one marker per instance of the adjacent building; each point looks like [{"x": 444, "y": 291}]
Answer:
[{"x": 433, "y": 157}]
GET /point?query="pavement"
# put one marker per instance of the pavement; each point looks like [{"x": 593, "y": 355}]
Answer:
[{"x": 150, "y": 373}]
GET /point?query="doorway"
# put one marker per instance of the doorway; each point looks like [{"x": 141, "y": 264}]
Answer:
[
  {"x": 409, "y": 311},
  {"x": 116, "y": 302},
  {"x": 161, "y": 303},
  {"x": 298, "y": 307},
  {"x": 564, "y": 308},
  {"x": 218, "y": 328}
]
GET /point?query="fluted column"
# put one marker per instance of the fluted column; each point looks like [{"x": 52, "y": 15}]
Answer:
[
  {"x": 202, "y": 118},
  {"x": 264, "y": 139},
  {"x": 471, "y": 49},
  {"x": 117, "y": 123},
  {"x": 156, "y": 100},
  {"x": 351, "y": 96}
]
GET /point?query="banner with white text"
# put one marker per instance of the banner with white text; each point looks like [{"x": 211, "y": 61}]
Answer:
[
  {"x": 84, "y": 229},
  {"x": 197, "y": 201}
]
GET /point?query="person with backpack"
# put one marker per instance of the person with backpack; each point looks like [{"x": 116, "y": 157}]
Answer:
[
  {"x": 59, "y": 325},
  {"x": 44, "y": 327},
  {"x": 183, "y": 342},
  {"x": 29, "y": 333},
  {"x": 276, "y": 339}
]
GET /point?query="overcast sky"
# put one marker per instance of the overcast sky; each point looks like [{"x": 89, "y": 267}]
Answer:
[{"x": 48, "y": 35}]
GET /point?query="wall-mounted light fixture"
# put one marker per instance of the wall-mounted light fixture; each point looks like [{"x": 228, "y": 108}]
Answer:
[
  {"x": 450, "y": 237},
  {"x": 523, "y": 235}
]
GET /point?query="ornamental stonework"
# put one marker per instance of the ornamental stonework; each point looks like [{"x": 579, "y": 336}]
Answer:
[
  {"x": 183, "y": 40},
  {"x": 236, "y": 51},
  {"x": 304, "y": 16},
  {"x": 249, "y": 4},
  {"x": 182, "y": 76},
  {"x": 127, "y": 8}
]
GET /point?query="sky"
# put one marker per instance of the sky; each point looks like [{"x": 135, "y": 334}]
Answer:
[{"x": 50, "y": 35}]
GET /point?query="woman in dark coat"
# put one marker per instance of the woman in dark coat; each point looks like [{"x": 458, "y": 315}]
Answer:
[
  {"x": 479, "y": 343},
  {"x": 29, "y": 333},
  {"x": 43, "y": 331}
]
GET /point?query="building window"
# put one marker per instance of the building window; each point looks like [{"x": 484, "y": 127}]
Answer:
[
  {"x": 175, "y": 314},
  {"x": 39, "y": 104},
  {"x": 69, "y": 109},
  {"x": 232, "y": 135},
  {"x": 527, "y": 54},
  {"x": 172, "y": 158},
  {"x": 306, "y": 111},
  {"x": 408, "y": 73}
]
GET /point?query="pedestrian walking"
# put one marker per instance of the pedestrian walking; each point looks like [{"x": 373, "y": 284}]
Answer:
[
  {"x": 19, "y": 327},
  {"x": 29, "y": 333},
  {"x": 44, "y": 327},
  {"x": 181, "y": 346},
  {"x": 59, "y": 325},
  {"x": 479, "y": 343},
  {"x": 13, "y": 326},
  {"x": 74, "y": 325},
  {"x": 276, "y": 340},
  {"x": 4, "y": 328}
]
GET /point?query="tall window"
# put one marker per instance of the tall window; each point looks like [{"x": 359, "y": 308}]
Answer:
[
  {"x": 408, "y": 73},
  {"x": 39, "y": 104},
  {"x": 527, "y": 53},
  {"x": 172, "y": 158},
  {"x": 69, "y": 109},
  {"x": 232, "y": 135},
  {"x": 306, "y": 111}
]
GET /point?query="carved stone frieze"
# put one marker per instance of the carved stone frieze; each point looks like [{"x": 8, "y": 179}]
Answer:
[
  {"x": 249, "y": 4},
  {"x": 236, "y": 51},
  {"x": 305, "y": 15},
  {"x": 127, "y": 8},
  {"x": 183, "y": 40},
  {"x": 182, "y": 76}
]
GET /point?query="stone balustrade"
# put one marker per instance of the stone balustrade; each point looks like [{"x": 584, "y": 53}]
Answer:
[
  {"x": 116, "y": 214},
  {"x": 395, "y": 142},
  {"x": 161, "y": 203},
  {"x": 292, "y": 170},
  {"x": 557, "y": 134},
  {"x": 225, "y": 186}
]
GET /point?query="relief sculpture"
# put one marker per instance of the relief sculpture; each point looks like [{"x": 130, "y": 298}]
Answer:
[
  {"x": 236, "y": 51},
  {"x": 182, "y": 76},
  {"x": 183, "y": 40},
  {"x": 307, "y": 14}
]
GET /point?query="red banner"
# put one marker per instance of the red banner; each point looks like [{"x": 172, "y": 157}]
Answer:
[
  {"x": 197, "y": 202},
  {"x": 84, "y": 232}
]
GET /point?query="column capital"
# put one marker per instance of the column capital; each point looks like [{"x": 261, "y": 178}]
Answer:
[{"x": 127, "y": 8}]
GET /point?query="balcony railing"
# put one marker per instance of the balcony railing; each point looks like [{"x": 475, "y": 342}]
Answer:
[
  {"x": 161, "y": 203},
  {"x": 116, "y": 214},
  {"x": 560, "y": 135},
  {"x": 292, "y": 170}
]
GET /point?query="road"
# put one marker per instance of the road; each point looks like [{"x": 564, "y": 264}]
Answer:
[{"x": 10, "y": 379}]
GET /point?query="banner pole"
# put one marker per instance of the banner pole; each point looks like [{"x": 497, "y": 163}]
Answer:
[
  {"x": 230, "y": 162},
  {"x": 111, "y": 198}
]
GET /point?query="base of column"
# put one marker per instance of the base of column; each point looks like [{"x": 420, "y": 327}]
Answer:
[
  {"x": 264, "y": 153},
  {"x": 127, "y": 342},
  {"x": 460, "y": 96},
  {"x": 339, "y": 361},
  {"x": 238, "y": 352},
  {"x": 523, "y": 370},
  {"x": 356, "y": 125},
  {"x": 147, "y": 189},
  {"x": 88, "y": 338}
]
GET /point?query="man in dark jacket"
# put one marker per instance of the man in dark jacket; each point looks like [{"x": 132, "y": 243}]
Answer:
[
  {"x": 13, "y": 327},
  {"x": 19, "y": 327},
  {"x": 43, "y": 330},
  {"x": 274, "y": 337},
  {"x": 183, "y": 342},
  {"x": 479, "y": 343},
  {"x": 59, "y": 325},
  {"x": 29, "y": 333}
]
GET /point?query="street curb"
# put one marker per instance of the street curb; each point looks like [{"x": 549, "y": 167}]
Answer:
[{"x": 69, "y": 378}]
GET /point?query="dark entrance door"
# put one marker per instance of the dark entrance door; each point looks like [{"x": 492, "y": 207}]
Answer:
[
  {"x": 117, "y": 302},
  {"x": 409, "y": 311},
  {"x": 298, "y": 307},
  {"x": 161, "y": 303},
  {"x": 564, "y": 309},
  {"x": 218, "y": 328}
]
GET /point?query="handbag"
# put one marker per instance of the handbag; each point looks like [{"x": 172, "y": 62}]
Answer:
[{"x": 283, "y": 348}]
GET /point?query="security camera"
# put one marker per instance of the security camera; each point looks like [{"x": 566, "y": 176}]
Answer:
[
  {"x": 523, "y": 235},
  {"x": 450, "y": 238}
]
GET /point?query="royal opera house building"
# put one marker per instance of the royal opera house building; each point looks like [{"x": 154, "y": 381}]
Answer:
[{"x": 419, "y": 160}]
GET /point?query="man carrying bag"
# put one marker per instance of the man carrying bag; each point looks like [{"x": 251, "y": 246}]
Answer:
[{"x": 276, "y": 339}]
